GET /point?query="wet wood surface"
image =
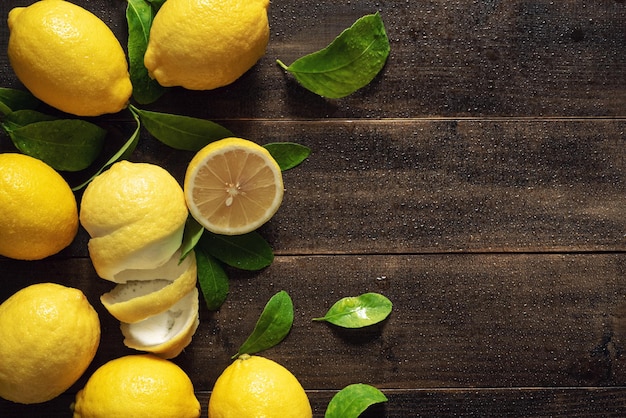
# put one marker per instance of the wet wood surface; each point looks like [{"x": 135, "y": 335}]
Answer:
[{"x": 478, "y": 182}]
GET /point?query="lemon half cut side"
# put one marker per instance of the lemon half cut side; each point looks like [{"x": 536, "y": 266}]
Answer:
[{"x": 233, "y": 186}]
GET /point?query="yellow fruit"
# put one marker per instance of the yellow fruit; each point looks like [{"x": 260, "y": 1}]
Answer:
[
  {"x": 138, "y": 386},
  {"x": 233, "y": 186},
  {"x": 205, "y": 44},
  {"x": 49, "y": 335},
  {"x": 255, "y": 386},
  {"x": 38, "y": 213},
  {"x": 165, "y": 334},
  {"x": 135, "y": 214},
  {"x": 69, "y": 58}
]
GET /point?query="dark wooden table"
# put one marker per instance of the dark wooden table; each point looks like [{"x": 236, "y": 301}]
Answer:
[{"x": 478, "y": 182}]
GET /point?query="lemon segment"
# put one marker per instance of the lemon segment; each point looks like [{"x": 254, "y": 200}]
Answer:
[
  {"x": 137, "y": 300},
  {"x": 49, "y": 334},
  {"x": 167, "y": 333},
  {"x": 233, "y": 186},
  {"x": 254, "y": 386},
  {"x": 68, "y": 58},
  {"x": 139, "y": 386},
  {"x": 219, "y": 41},
  {"x": 38, "y": 211}
]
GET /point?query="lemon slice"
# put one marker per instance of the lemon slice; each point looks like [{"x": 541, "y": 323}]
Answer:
[
  {"x": 233, "y": 186},
  {"x": 168, "y": 333},
  {"x": 138, "y": 299}
]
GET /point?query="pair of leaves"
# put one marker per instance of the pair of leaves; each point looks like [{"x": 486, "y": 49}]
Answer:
[
  {"x": 64, "y": 144},
  {"x": 348, "y": 63},
  {"x": 245, "y": 252},
  {"x": 358, "y": 311},
  {"x": 192, "y": 134}
]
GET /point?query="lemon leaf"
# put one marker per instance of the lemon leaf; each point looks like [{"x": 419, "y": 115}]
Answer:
[
  {"x": 64, "y": 144},
  {"x": 353, "y": 400},
  {"x": 349, "y": 63},
  {"x": 181, "y": 132},
  {"x": 272, "y": 326},
  {"x": 191, "y": 235},
  {"x": 288, "y": 154},
  {"x": 212, "y": 278},
  {"x": 358, "y": 311},
  {"x": 21, "y": 118},
  {"x": 246, "y": 252},
  {"x": 12, "y": 99},
  {"x": 139, "y": 16}
]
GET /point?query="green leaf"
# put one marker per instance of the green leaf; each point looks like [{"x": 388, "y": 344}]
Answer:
[
  {"x": 191, "y": 236},
  {"x": 64, "y": 144},
  {"x": 181, "y": 132},
  {"x": 272, "y": 326},
  {"x": 21, "y": 118},
  {"x": 139, "y": 17},
  {"x": 212, "y": 278},
  {"x": 349, "y": 63},
  {"x": 288, "y": 154},
  {"x": 124, "y": 152},
  {"x": 12, "y": 100},
  {"x": 246, "y": 252},
  {"x": 353, "y": 400},
  {"x": 358, "y": 311}
]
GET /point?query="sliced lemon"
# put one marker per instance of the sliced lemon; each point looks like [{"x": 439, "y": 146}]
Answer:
[
  {"x": 233, "y": 186},
  {"x": 139, "y": 299},
  {"x": 168, "y": 333}
]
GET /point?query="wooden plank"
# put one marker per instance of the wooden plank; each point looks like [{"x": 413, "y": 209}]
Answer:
[
  {"x": 422, "y": 186},
  {"x": 483, "y": 321},
  {"x": 503, "y": 402},
  {"x": 449, "y": 58},
  {"x": 459, "y": 320}
]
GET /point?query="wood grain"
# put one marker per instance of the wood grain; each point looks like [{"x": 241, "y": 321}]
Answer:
[{"x": 478, "y": 182}]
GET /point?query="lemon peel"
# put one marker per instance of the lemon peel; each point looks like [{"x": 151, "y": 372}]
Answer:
[
  {"x": 135, "y": 214},
  {"x": 167, "y": 333},
  {"x": 139, "y": 299},
  {"x": 68, "y": 58}
]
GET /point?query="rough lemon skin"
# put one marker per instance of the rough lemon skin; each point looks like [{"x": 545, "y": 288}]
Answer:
[
  {"x": 38, "y": 212},
  {"x": 135, "y": 214},
  {"x": 49, "y": 335},
  {"x": 68, "y": 58},
  {"x": 255, "y": 386},
  {"x": 206, "y": 44},
  {"x": 138, "y": 386}
]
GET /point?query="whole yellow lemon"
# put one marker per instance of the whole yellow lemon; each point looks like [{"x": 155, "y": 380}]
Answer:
[
  {"x": 139, "y": 386},
  {"x": 38, "y": 211},
  {"x": 254, "y": 386},
  {"x": 205, "y": 44},
  {"x": 68, "y": 58},
  {"x": 49, "y": 335}
]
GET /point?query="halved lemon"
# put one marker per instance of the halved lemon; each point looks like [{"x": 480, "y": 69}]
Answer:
[{"x": 233, "y": 186}]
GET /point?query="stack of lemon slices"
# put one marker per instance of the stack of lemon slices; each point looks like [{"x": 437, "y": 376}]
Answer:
[{"x": 135, "y": 214}]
